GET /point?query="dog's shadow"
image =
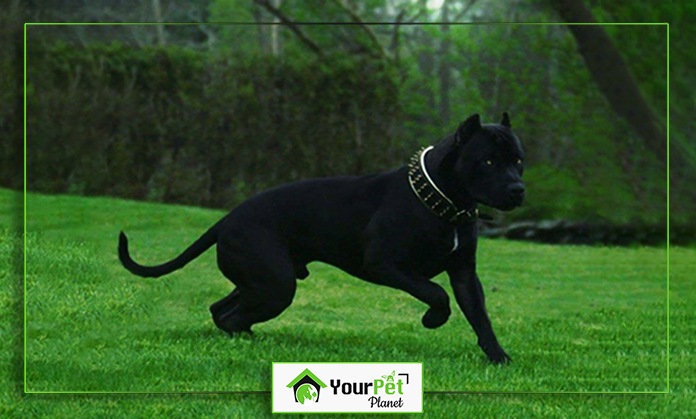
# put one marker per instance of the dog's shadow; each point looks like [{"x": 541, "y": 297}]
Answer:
[
  {"x": 335, "y": 345},
  {"x": 402, "y": 343}
]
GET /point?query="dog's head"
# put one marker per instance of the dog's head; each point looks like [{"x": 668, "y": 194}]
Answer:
[{"x": 487, "y": 161}]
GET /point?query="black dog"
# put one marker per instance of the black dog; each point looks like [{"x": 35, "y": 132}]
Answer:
[{"x": 398, "y": 228}]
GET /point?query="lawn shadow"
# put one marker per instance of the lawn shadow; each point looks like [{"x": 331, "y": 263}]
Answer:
[{"x": 389, "y": 346}]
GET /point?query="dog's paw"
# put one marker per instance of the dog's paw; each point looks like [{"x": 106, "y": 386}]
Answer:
[
  {"x": 494, "y": 352},
  {"x": 241, "y": 334},
  {"x": 434, "y": 318},
  {"x": 231, "y": 324},
  {"x": 498, "y": 357},
  {"x": 233, "y": 329}
]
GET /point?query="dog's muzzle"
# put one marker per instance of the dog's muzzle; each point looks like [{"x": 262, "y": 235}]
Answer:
[{"x": 516, "y": 192}]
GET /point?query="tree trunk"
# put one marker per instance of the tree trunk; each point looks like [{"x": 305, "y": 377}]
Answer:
[
  {"x": 290, "y": 25},
  {"x": 377, "y": 47},
  {"x": 395, "y": 38},
  {"x": 261, "y": 29},
  {"x": 425, "y": 58},
  {"x": 444, "y": 69},
  {"x": 157, "y": 9},
  {"x": 275, "y": 41},
  {"x": 611, "y": 74}
]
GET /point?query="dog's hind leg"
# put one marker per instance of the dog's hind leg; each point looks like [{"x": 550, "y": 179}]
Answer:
[
  {"x": 220, "y": 305},
  {"x": 224, "y": 306},
  {"x": 265, "y": 279},
  {"x": 255, "y": 305}
]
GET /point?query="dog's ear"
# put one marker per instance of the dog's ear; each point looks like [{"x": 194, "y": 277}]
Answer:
[
  {"x": 467, "y": 129},
  {"x": 506, "y": 120}
]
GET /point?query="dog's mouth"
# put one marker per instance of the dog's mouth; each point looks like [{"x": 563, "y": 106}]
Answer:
[{"x": 508, "y": 205}]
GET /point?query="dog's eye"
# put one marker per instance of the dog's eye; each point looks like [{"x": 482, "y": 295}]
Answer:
[
  {"x": 489, "y": 163},
  {"x": 519, "y": 161}
]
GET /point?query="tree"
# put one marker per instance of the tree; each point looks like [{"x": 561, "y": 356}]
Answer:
[
  {"x": 444, "y": 69},
  {"x": 612, "y": 76}
]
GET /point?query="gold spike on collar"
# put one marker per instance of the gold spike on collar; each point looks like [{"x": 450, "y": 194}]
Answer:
[{"x": 431, "y": 196}]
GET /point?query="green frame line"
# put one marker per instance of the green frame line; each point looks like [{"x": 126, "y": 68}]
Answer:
[
  {"x": 24, "y": 274},
  {"x": 27, "y": 391},
  {"x": 667, "y": 174},
  {"x": 345, "y": 23}
]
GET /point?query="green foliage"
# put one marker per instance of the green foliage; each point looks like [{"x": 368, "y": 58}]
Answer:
[
  {"x": 682, "y": 106},
  {"x": 552, "y": 194},
  {"x": 180, "y": 126},
  {"x": 583, "y": 163},
  {"x": 233, "y": 38},
  {"x": 213, "y": 127}
]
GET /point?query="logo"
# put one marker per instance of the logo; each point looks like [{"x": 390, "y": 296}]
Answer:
[
  {"x": 389, "y": 377},
  {"x": 306, "y": 387},
  {"x": 352, "y": 387}
]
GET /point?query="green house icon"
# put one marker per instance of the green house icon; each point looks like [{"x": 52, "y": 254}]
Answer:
[{"x": 306, "y": 387}]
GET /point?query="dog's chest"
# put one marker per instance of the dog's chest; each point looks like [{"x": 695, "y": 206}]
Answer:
[
  {"x": 430, "y": 255},
  {"x": 436, "y": 245},
  {"x": 455, "y": 242}
]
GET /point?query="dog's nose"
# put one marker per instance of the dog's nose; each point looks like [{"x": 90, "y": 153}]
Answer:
[{"x": 516, "y": 190}]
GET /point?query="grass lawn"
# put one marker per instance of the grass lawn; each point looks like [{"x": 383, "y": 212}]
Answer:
[{"x": 573, "y": 318}]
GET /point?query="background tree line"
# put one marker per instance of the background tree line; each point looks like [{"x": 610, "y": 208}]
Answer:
[{"x": 210, "y": 114}]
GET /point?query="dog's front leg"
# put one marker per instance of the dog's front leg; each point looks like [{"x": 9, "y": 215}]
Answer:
[
  {"x": 469, "y": 295},
  {"x": 419, "y": 287}
]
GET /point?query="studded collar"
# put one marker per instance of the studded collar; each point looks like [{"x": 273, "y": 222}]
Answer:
[{"x": 431, "y": 196}]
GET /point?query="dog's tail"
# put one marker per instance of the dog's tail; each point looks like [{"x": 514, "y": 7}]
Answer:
[{"x": 199, "y": 246}]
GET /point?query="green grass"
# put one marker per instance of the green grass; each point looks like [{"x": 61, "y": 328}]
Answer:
[{"x": 573, "y": 318}]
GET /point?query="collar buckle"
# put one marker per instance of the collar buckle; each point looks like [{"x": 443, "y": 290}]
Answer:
[{"x": 469, "y": 216}]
